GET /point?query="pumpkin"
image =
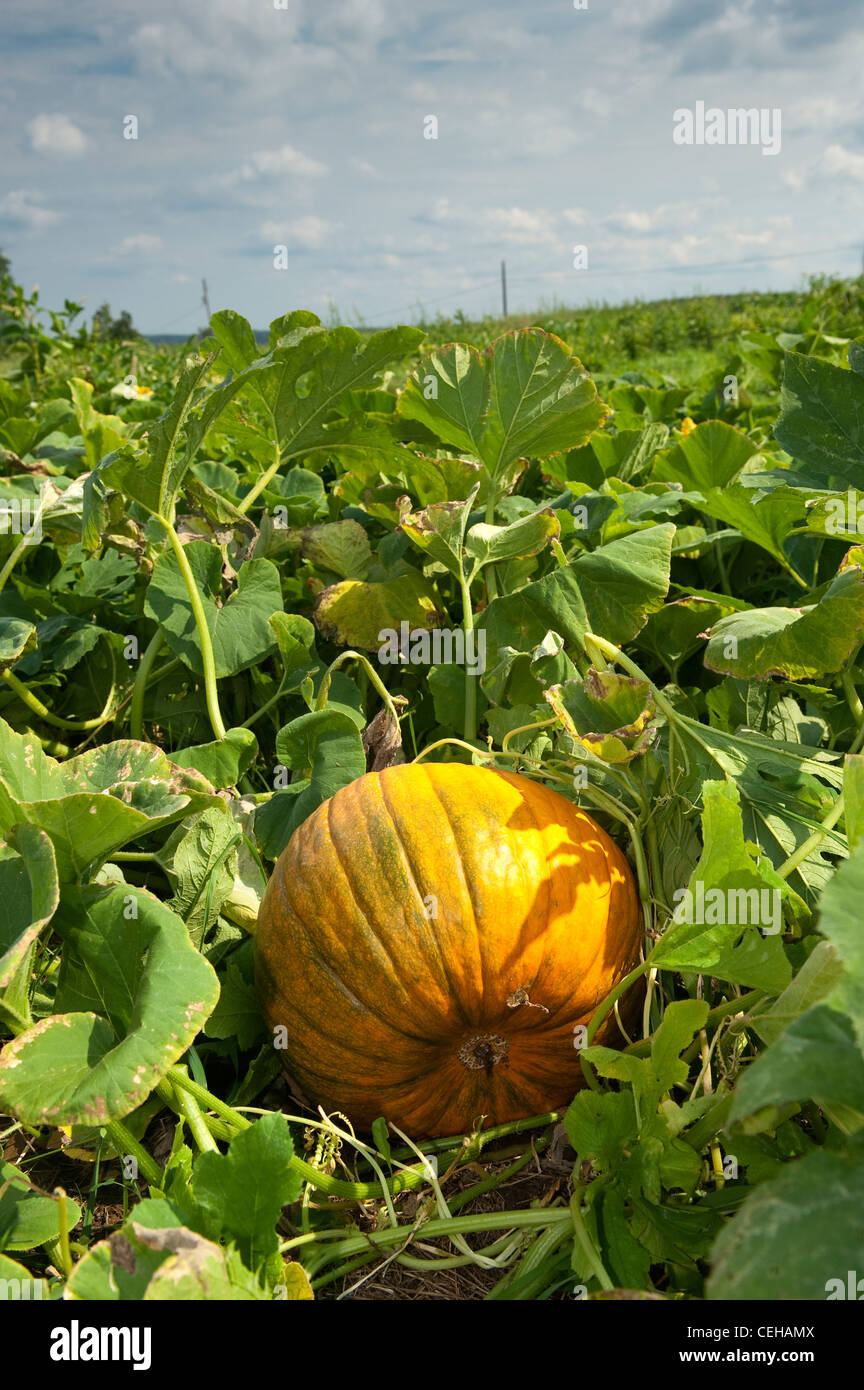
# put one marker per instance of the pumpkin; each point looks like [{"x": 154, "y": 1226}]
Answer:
[{"x": 431, "y": 939}]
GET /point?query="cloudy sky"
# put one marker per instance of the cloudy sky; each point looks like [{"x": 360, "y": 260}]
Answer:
[{"x": 304, "y": 126}]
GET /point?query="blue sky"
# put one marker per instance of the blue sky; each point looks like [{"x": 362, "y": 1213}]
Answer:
[{"x": 303, "y": 126}]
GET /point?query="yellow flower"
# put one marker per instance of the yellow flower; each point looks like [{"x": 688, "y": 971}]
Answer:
[
  {"x": 687, "y": 425},
  {"x": 148, "y": 390}
]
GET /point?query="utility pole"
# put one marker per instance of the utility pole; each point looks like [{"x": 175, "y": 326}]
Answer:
[
  {"x": 205, "y": 299},
  {"x": 504, "y": 289}
]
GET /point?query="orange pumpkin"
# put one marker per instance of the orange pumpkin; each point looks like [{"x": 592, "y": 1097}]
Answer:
[{"x": 431, "y": 938}]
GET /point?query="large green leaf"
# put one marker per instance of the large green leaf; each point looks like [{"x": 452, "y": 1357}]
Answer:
[
  {"x": 800, "y": 643},
  {"x": 840, "y": 922},
  {"x": 794, "y": 1235},
  {"x": 526, "y": 395},
  {"x": 822, "y": 418},
  {"x": 244, "y": 1191},
  {"x": 708, "y": 457},
  {"x": 817, "y": 1057},
  {"x": 766, "y": 519},
  {"x": 96, "y": 802},
  {"x": 609, "y": 592},
  {"x": 239, "y": 629},
  {"x": 330, "y": 363},
  {"x": 133, "y": 993},
  {"x": 28, "y": 1217},
  {"x": 29, "y": 892},
  {"x": 732, "y": 896}
]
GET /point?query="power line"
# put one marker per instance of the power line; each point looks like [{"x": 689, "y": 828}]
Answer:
[
  {"x": 195, "y": 310},
  {"x": 599, "y": 272}
]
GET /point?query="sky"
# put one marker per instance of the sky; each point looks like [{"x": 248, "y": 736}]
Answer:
[{"x": 304, "y": 125}]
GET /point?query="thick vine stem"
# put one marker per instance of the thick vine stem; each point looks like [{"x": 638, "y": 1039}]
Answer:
[
  {"x": 586, "y": 1244},
  {"x": 324, "y": 688},
  {"x": 262, "y": 482},
  {"x": 142, "y": 679},
  {"x": 444, "y": 1226},
  {"x": 124, "y": 1142},
  {"x": 205, "y": 641},
  {"x": 470, "y": 725},
  {"x": 36, "y": 706}
]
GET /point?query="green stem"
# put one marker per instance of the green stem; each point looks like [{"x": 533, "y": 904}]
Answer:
[
  {"x": 262, "y": 482},
  {"x": 491, "y": 580},
  {"x": 586, "y": 1244},
  {"x": 853, "y": 699},
  {"x": 124, "y": 1142},
  {"x": 470, "y": 725},
  {"x": 142, "y": 680},
  {"x": 488, "y": 1184},
  {"x": 204, "y": 639},
  {"x": 20, "y": 548},
  {"x": 63, "y": 1238},
  {"x": 37, "y": 707},
  {"x": 324, "y": 688},
  {"x": 813, "y": 841},
  {"x": 267, "y": 706},
  {"x": 187, "y": 1106},
  {"x": 611, "y": 999},
  {"x": 447, "y": 1226}
]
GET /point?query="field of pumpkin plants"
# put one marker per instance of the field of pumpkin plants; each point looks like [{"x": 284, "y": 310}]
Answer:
[{"x": 432, "y": 807}]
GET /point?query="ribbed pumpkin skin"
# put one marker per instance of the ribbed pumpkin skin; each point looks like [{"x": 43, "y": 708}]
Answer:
[{"x": 391, "y": 1012}]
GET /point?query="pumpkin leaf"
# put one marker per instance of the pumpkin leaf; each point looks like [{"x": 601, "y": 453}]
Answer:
[
  {"x": 710, "y": 456},
  {"x": 240, "y": 629},
  {"x": 16, "y": 637},
  {"x": 799, "y": 643},
  {"x": 243, "y": 1192},
  {"x": 326, "y": 748},
  {"x": 613, "y": 716},
  {"x": 223, "y": 761},
  {"x": 840, "y": 923},
  {"x": 142, "y": 1263},
  {"x": 822, "y": 418},
  {"x": 732, "y": 895},
  {"x": 525, "y": 395},
  {"x": 204, "y": 868},
  {"x": 795, "y": 1237},
  {"x": 30, "y": 892},
  {"x": 28, "y": 1217},
  {"x": 816, "y": 1057},
  {"x": 526, "y": 536},
  {"x": 136, "y": 991},
  {"x": 767, "y": 520},
  {"x": 96, "y": 802},
  {"x": 359, "y": 614},
  {"x": 439, "y": 530}
]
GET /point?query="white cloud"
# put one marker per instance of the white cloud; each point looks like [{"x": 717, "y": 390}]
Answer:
[
  {"x": 285, "y": 160},
  {"x": 23, "y": 207},
  {"x": 575, "y": 217},
  {"x": 838, "y": 160},
  {"x": 140, "y": 244},
  {"x": 519, "y": 225},
  {"x": 56, "y": 135},
  {"x": 181, "y": 279},
  {"x": 633, "y": 221},
  {"x": 306, "y": 233}
]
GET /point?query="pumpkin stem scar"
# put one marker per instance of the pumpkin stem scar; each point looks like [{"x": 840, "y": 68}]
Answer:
[{"x": 484, "y": 1050}]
